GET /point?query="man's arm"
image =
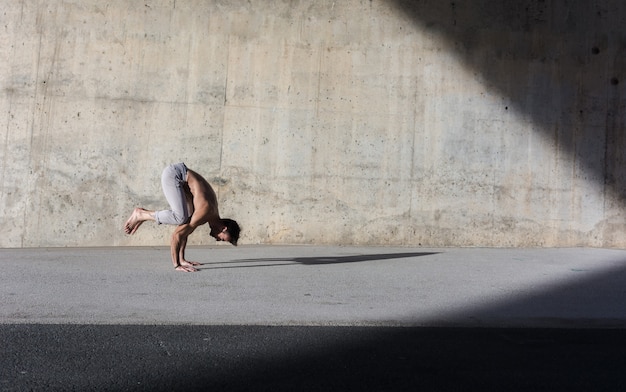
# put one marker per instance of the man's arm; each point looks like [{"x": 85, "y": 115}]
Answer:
[
  {"x": 178, "y": 244},
  {"x": 182, "y": 260}
]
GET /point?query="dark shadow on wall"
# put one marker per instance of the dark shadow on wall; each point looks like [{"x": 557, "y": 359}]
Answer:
[{"x": 560, "y": 63}]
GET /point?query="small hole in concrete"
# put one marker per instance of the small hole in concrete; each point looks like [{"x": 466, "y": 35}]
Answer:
[
  {"x": 595, "y": 50},
  {"x": 614, "y": 81}
]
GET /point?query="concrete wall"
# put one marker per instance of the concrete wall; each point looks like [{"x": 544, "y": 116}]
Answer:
[{"x": 465, "y": 123}]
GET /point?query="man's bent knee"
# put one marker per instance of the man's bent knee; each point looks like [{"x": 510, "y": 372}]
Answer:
[
  {"x": 180, "y": 219},
  {"x": 170, "y": 218}
]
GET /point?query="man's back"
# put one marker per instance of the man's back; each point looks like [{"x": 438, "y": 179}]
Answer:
[{"x": 204, "y": 198}]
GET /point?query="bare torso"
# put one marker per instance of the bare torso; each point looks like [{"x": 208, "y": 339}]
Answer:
[{"x": 204, "y": 199}]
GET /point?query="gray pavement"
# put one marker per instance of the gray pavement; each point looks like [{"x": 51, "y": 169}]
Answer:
[
  {"x": 316, "y": 285},
  {"x": 313, "y": 318}
]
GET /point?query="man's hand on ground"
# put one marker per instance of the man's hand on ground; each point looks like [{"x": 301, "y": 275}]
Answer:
[{"x": 186, "y": 268}]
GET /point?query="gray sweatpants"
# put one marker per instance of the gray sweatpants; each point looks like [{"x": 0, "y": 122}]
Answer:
[{"x": 173, "y": 180}]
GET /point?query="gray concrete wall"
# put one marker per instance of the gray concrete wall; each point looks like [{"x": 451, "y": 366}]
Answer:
[{"x": 465, "y": 123}]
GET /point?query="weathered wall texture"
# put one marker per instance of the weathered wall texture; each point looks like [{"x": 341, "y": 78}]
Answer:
[{"x": 465, "y": 123}]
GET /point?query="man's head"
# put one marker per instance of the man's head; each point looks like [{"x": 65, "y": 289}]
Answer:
[{"x": 230, "y": 232}]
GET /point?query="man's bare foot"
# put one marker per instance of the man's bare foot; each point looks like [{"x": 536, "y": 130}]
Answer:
[
  {"x": 185, "y": 268},
  {"x": 138, "y": 216}
]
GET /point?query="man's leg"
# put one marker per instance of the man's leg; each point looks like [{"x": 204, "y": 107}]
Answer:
[{"x": 172, "y": 181}]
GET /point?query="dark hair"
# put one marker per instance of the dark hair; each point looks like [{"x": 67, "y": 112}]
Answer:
[{"x": 233, "y": 230}]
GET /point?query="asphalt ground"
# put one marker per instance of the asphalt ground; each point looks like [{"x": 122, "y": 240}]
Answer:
[{"x": 313, "y": 318}]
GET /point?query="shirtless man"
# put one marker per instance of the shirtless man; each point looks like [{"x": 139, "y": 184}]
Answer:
[{"x": 193, "y": 203}]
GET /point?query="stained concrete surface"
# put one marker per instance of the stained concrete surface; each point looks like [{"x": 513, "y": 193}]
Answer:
[
  {"x": 482, "y": 123},
  {"x": 313, "y": 318}
]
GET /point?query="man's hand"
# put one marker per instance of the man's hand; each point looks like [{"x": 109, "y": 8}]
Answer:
[
  {"x": 185, "y": 268},
  {"x": 189, "y": 263},
  {"x": 177, "y": 247}
]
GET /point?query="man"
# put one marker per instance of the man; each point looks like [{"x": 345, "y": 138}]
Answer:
[{"x": 193, "y": 203}]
